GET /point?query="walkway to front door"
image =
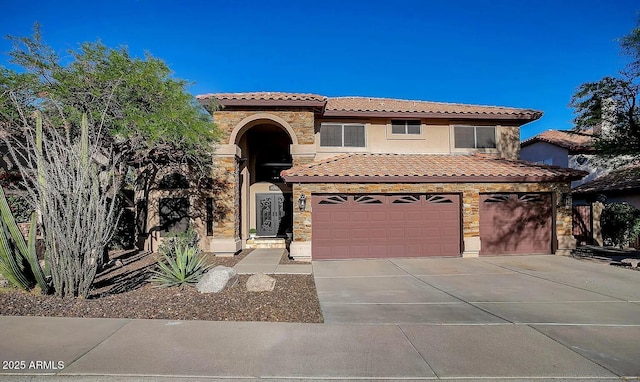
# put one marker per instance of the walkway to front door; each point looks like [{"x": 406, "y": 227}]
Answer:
[{"x": 267, "y": 260}]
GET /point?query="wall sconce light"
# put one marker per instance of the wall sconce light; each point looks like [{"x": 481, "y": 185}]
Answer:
[{"x": 302, "y": 202}]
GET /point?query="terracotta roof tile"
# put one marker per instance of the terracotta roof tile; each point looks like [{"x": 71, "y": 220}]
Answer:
[
  {"x": 425, "y": 168},
  {"x": 625, "y": 178},
  {"x": 369, "y": 104},
  {"x": 571, "y": 140},
  {"x": 263, "y": 96}
]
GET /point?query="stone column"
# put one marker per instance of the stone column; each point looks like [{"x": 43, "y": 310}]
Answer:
[
  {"x": 300, "y": 248},
  {"x": 226, "y": 229},
  {"x": 564, "y": 220},
  {"x": 471, "y": 222}
]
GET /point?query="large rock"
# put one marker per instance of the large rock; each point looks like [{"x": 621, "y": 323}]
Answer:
[
  {"x": 260, "y": 283},
  {"x": 217, "y": 279},
  {"x": 631, "y": 262},
  {"x": 3, "y": 282}
]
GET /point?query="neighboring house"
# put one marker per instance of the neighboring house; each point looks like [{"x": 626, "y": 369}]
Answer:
[
  {"x": 618, "y": 186},
  {"x": 350, "y": 177},
  {"x": 575, "y": 150},
  {"x": 564, "y": 148}
]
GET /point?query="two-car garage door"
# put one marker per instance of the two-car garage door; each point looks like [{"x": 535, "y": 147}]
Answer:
[
  {"x": 370, "y": 225},
  {"x": 418, "y": 225}
]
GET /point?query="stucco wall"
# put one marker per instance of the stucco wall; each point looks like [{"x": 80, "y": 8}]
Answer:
[
  {"x": 541, "y": 151},
  {"x": 437, "y": 137}
]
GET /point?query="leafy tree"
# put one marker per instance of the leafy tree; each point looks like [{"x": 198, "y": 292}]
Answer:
[
  {"x": 106, "y": 116},
  {"x": 612, "y": 105},
  {"x": 146, "y": 115}
]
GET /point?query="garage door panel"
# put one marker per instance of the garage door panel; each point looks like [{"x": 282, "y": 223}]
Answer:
[
  {"x": 515, "y": 223},
  {"x": 386, "y": 226}
]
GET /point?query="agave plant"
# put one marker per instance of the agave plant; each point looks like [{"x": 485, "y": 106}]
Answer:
[
  {"x": 187, "y": 267},
  {"x": 14, "y": 251}
]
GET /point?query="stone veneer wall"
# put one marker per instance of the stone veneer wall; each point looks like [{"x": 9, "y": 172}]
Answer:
[
  {"x": 301, "y": 121},
  {"x": 227, "y": 198},
  {"x": 302, "y": 221}
]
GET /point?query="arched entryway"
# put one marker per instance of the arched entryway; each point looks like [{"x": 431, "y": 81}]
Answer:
[{"x": 265, "y": 200}]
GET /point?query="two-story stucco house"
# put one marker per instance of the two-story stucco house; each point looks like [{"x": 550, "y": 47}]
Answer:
[{"x": 354, "y": 177}]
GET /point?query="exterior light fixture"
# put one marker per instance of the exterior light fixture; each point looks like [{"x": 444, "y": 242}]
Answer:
[{"x": 302, "y": 202}]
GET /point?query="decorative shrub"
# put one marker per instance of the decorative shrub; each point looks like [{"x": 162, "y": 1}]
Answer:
[
  {"x": 189, "y": 238},
  {"x": 186, "y": 266},
  {"x": 620, "y": 224}
]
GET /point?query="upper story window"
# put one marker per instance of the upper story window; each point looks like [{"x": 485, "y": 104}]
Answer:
[
  {"x": 475, "y": 137},
  {"x": 406, "y": 126},
  {"x": 342, "y": 135}
]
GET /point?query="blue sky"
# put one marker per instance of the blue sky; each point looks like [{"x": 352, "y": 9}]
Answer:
[{"x": 520, "y": 53}]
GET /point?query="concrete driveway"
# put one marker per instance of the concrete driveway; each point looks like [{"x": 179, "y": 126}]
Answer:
[
  {"x": 592, "y": 309},
  {"x": 509, "y": 289}
]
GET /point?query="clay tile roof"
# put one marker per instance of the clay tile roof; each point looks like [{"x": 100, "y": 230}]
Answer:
[
  {"x": 425, "y": 168},
  {"x": 371, "y": 107},
  {"x": 622, "y": 179},
  {"x": 570, "y": 140},
  {"x": 264, "y": 96},
  {"x": 340, "y": 105}
]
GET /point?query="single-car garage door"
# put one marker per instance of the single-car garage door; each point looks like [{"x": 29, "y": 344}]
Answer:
[
  {"x": 518, "y": 223},
  {"x": 346, "y": 226}
]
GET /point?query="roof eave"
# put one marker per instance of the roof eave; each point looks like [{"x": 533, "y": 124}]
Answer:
[
  {"x": 523, "y": 117},
  {"x": 269, "y": 103},
  {"x": 426, "y": 179}
]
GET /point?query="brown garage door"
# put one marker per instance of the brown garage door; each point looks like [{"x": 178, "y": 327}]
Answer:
[
  {"x": 512, "y": 224},
  {"x": 365, "y": 226}
]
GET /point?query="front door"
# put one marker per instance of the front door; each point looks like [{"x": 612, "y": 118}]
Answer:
[{"x": 273, "y": 214}]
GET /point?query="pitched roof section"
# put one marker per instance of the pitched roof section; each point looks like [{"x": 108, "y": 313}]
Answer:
[
  {"x": 371, "y": 107},
  {"x": 367, "y": 106},
  {"x": 265, "y": 99},
  {"x": 425, "y": 168},
  {"x": 624, "y": 179},
  {"x": 571, "y": 140}
]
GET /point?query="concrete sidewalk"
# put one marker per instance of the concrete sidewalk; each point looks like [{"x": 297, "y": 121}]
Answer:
[{"x": 106, "y": 349}]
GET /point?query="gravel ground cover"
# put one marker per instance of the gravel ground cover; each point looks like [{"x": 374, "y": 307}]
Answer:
[{"x": 123, "y": 291}]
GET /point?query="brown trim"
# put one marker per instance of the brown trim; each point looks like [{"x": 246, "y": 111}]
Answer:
[
  {"x": 269, "y": 102},
  {"x": 424, "y": 179},
  {"x": 409, "y": 114}
]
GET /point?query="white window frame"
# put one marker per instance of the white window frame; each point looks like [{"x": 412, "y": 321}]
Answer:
[
  {"x": 475, "y": 137},
  {"x": 342, "y": 126}
]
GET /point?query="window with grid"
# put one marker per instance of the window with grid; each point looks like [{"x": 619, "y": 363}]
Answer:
[
  {"x": 405, "y": 126},
  {"x": 475, "y": 137},
  {"x": 342, "y": 135}
]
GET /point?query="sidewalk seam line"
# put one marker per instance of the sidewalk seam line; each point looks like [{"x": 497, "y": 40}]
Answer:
[
  {"x": 418, "y": 352},
  {"x": 574, "y": 351},
  {"x": 449, "y": 294},
  {"x": 95, "y": 346}
]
